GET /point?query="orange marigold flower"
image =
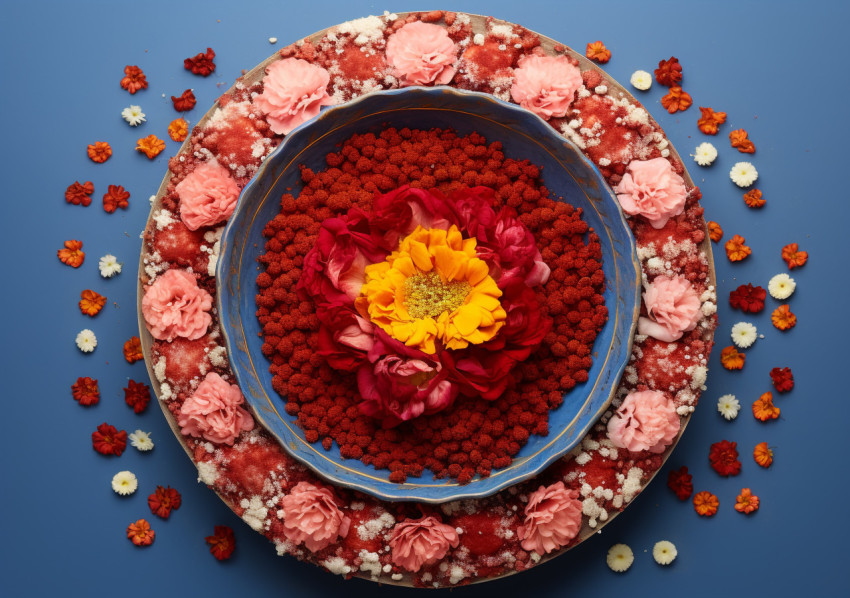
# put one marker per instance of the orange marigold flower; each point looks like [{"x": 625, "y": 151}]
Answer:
[
  {"x": 753, "y": 198},
  {"x": 676, "y": 100},
  {"x": 133, "y": 350},
  {"x": 715, "y": 233},
  {"x": 186, "y": 101},
  {"x": 710, "y": 120},
  {"x": 705, "y": 503},
  {"x": 151, "y": 146},
  {"x": 783, "y": 318},
  {"x": 134, "y": 80},
  {"x": 79, "y": 194},
  {"x": 764, "y": 409},
  {"x": 99, "y": 151},
  {"x": 763, "y": 455},
  {"x": 736, "y": 250},
  {"x": 72, "y": 254},
  {"x": 731, "y": 359},
  {"x": 598, "y": 52},
  {"x": 746, "y": 502},
  {"x": 86, "y": 391},
  {"x": 738, "y": 138},
  {"x": 178, "y": 129},
  {"x": 794, "y": 257},
  {"x": 115, "y": 197},
  {"x": 140, "y": 533},
  {"x": 91, "y": 302},
  {"x": 669, "y": 72}
]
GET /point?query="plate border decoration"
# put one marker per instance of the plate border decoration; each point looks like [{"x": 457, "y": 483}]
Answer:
[{"x": 219, "y": 467}]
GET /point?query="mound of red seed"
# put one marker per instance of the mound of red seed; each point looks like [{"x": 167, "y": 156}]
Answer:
[{"x": 474, "y": 435}]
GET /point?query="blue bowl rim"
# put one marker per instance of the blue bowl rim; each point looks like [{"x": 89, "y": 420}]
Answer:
[{"x": 464, "y": 489}]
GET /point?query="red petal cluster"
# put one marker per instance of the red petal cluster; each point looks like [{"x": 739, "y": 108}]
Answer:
[
  {"x": 163, "y": 500},
  {"x": 724, "y": 458},
  {"x": 115, "y": 197},
  {"x": 185, "y": 102},
  {"x": 222, "y": 542},
  {"x": 86, "y": 391},
  {"x": 134, "y": 80},
  {"x": 137, "y": 395},
  {"x": 201, "y": 64},
  {"x": 748, "y": 298},
  {"x": 680, "y": 482},
  {"x": 79, "y": 194},
  {"x": 782, "y": 378},
  {"x": 669, "y": 72},
  {"x": 108, "y": 440}
]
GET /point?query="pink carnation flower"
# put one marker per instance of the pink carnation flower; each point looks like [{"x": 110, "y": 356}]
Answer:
[
  {"x": 673, "y": 306},
  {"x": 421, "y": 542},
  {"x": 213, "y": 412},
  {"x": 312, "y": 517},
  {"x": 651, "y": 189},
  {"x": 646, "y": 421},
  {"x": 546, "y": 85},
  {"x": 175, "y": 306},
  {"x": 421, "y": 54},
  {"x": 208, "y": 195},
  {"x": 294, "y": 91},
  {"x": 552, "y": 519}
]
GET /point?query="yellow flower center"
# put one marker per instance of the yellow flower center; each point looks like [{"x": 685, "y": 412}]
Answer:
[{"x": 434, "y": 287}]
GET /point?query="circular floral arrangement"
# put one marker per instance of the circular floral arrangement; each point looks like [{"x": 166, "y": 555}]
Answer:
[{"x": 415, "y": 544}]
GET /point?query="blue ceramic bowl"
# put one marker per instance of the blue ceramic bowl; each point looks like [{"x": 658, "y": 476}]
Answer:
[{"x": 524, "y": 136}]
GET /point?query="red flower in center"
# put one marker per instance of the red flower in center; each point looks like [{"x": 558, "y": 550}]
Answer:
[
  {"x": 724, "y": 458},
  {"x": 163, "y": 500},
  {"x": 782, "y": 378},
  {"x": 222, "y": 542},
  {"x": 137, "y": 395},
  {"x": 680, "y": 482},
  {"x": 86, "y": 391},
  {"x": 748, "y": 298},
  {"x": 201, "y": 64},
  {"x": 108, "y": 440}
]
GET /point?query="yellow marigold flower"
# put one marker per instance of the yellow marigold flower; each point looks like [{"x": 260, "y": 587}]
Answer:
[{"x": 434, "y": 287}]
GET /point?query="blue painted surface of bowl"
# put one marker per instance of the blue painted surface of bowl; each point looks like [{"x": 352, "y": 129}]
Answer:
[{"x": 565, "y": 172}]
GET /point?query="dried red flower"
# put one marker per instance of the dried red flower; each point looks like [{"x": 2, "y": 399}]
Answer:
[
  {"x": 676, "y": 100},
  {"x": 109, "y": 440},
  {"x": 115, "y": 197},
  {"x": 705, "y": 504},
  {"x": 794, "y": 257},
  {"x": 201, "y": 64},
  {"x": 738, "y": 139},
  {"x": 79, "y": 194},
  {"x": 746, "y": 502},
  {"x": 99, "y": 151},
  {"x": 763, "y": 455},
  {"x": 133, "y": 350},
  {"x": 186, "y": 101},
  {"x": 137, "y": 395},
  {"x": 86, "y": 391},
  {"x": 782, "y": 378},
  {"x": 163, "y": 500},
  {"x": 134, "y": 79},
  {"x": 72, "y": 254},
  {"x": 748, "y": 298},
  {"x": 753, "y": 198},
  {"x": 222, "y": 542},
  {"x": 710, "y": 120},
  {"x": 178, "y": 129},
  {"x": 140, "y": 533},
  {"x": 669, "y": 72},
  {"x": 731, "y": 359},
  {"x": 764, "y": 409},
  {"x": 736, "y": 250},
  {"x": 91, "y": 302},
  {"x": 680, "y": 482},
  {"x": 783, "y": 318},
  {"x": 715, "y": 233},
  {"x": 724, "y": 458},
  {"x": 151, "y": 146},
  {"x": 598, "y": 52}
]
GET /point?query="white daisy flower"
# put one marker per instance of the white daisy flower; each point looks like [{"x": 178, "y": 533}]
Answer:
[
  {"x": 664, "y": 552},
  {"x": 141, "y": 440},
  {"x": 620, "y": 557},
  {"x": 728, "y": 406},
  {"x": 133, "y": 115},
  {"x": 109, "y": 266},
  {"x": 641, "y": 80},
  {"x": 781, "y": 286},
  {"x": 743, "y": 174},
  {"x": 86, "y": 341},
  {"x": 744, "y": 334},
  {"x": 124, "y": 483},
  {"x": 705, "y": 154}
]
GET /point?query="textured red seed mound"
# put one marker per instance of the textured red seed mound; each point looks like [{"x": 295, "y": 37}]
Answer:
[{"x": 474, "y": 435}]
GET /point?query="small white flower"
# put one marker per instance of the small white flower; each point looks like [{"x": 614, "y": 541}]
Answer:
[
  {"x": 141, "y": 440},
  {"x": 705, "y": 154},
  {"x": 664, "y": 552},
  {"x": 728, "y": 406},
  {"x": 124, "y": 483},
  {"x": 133, "y": 115},
  {"x": 641, "y": 80},
  {"x": 86, "y": 341},
  {"x": 781, "y": 286},
  {"x": 109, "y": 266},
  {"x": 743, "y": 174},
  {"x": 620, "y": 557},
  {"x": 744, "y": 334}
]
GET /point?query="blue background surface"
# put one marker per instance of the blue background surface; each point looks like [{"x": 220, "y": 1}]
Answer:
[{"x": 775, "y": 68}]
